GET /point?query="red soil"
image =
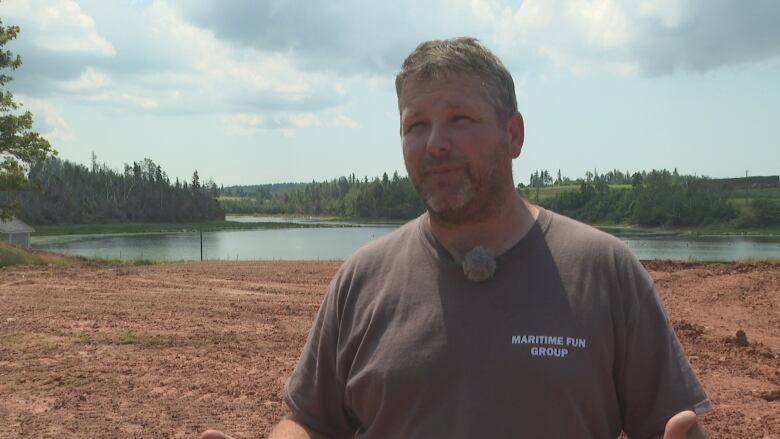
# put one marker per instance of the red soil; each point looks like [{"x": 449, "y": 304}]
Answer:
[{"x": 171, "y": 350}]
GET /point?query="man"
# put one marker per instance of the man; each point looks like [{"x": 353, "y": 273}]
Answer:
[{"x": 552, "y": 330}]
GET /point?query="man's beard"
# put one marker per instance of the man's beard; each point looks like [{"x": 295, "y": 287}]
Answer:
[{"x": 471, "y": 199}]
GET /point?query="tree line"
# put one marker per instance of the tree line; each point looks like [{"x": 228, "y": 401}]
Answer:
[
  {"x": 543, "y": 178},
  {"x": 660, "y": 198},
  {"x": 653, "y": 199},
  {"x": 379, "y": 198},
  {"x": 71, "y": 193},
  {"x": 142, "y": 192}
]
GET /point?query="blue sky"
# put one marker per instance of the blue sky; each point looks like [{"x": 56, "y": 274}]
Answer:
[{"x": 251, "y": 92}]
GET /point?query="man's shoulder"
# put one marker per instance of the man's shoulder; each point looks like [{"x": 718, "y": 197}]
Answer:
[
  {"x": 594, "y": 261},
  {"x": 387, "y": 248},
  {"x": 381, "y": 261},
  {"x": 571, "y": 237},
  {"x": 580, "y": 250}
]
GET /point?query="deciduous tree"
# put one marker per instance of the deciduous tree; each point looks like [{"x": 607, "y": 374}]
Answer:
[{"x": 19, "y": 145}]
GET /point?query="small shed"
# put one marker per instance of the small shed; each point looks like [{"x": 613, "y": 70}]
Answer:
[{"x": 16, "y": 232}]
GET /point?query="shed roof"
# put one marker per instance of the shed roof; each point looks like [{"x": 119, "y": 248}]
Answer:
[{"x": 15, "y": 225}]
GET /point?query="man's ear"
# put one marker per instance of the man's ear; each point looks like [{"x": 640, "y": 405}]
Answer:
[{"x": 516, "y": 131}]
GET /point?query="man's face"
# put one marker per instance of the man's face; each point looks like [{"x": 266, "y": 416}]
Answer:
[{"x": 458, "y": 156}]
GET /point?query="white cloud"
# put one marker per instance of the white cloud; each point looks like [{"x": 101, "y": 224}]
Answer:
[
  {"x": 287, "y": 123},
  {"x": 347, "y": 36},
  {"x": 218, "y": 65},
  {"x": 168, "y": 65},
  {"x": 124, "y": 101},
  {"x": 298, "y": 66},
  {"x": 243, "y": 124},
  {"x": 305, "y": 120},
  {"x": 140, "y": 101},
  {"x": 572, "y": 34},
  {"x": 58, "y": 26},
  {"x": 92, "y": 79},
  {"x": 648, "y": 37},
  {"x": 344, "y": 121},
  {"x": 603, "y": 22},
  {"x": 47, "y": 120}
]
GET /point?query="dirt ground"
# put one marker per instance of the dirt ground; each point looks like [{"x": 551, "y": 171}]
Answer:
[{"x": 169, "y": 350}]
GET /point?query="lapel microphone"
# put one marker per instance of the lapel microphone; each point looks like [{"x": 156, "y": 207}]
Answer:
[{"x": 479, "y": 264}]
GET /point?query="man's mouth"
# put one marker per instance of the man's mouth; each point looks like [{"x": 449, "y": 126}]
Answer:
[{"x": 442, "y": 170}]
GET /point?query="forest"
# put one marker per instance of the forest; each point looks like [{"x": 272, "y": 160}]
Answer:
[
  {"x": 659, "y": 198},
  {"x": 351, "y": 197},
  {"x": 70, "y": 193}
]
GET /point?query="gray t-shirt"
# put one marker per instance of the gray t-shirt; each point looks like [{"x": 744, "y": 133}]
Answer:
[{"x": 567, "y": 339}]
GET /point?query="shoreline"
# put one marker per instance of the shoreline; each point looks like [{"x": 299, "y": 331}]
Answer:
[
  {"x": 102, "y": 229},
  {"x": 305, "y": 221}
]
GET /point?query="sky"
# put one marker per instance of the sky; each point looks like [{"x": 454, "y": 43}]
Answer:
[{"x": 251, "y": 92}]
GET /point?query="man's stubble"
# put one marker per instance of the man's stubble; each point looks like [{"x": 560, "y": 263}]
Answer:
[{"x": 474, "y": 197}]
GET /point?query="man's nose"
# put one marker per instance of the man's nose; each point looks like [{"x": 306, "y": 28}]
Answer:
[{"x": 439, "y": 140}]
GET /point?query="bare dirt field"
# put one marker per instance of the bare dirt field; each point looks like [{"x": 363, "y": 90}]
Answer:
[{"x": 170, "y": 350}]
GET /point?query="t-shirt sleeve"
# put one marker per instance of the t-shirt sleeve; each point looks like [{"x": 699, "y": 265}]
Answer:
[
  {"x": 654, "y": 379},
  {"x": 315, "y": 391}
]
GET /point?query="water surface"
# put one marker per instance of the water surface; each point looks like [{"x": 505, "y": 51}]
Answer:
[{"x": 339, "y": 242}]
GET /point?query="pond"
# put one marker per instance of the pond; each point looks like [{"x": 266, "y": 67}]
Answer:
[{"x": 329, "y": 243}]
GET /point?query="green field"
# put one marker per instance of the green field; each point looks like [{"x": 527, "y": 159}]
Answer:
[
  {"x": 765, "y": 193},
  {"x": 738, "y": 196},
  {"x": 548, "y": 192}
]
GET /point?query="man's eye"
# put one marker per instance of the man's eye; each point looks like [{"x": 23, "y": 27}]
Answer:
[
  {"x": 461, "y": 118},
  {"x": 414, "y": 126}
]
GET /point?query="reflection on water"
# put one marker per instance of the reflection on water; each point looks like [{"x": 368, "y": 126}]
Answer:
[
  {"x": 288, "y": 244},
  {"x": 307, "y": 220},
  {"x": 340, "y": 242}
]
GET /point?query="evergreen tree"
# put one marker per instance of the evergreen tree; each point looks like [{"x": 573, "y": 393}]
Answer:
[{"x": 73, "y": 193}]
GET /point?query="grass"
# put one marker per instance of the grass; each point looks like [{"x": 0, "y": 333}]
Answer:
[
  {"x": 767, "y": 193},
  {"x": 302, "y": 217},
  {"x": 14, "y": 255},
  {"x": 725, "y": 229},
  {"x": 548, "y": 192},
  {"x": 728, "y": 229},
  {"x": 145, "y": 340},
  {"x": 772, "y": 261},
  {"x": 49, "y": 343},
  {"x": 742, "y": 202},
  {"x": 630, "y": 230}
]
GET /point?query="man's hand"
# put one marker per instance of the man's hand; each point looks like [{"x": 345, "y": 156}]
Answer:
[
  {"x": 683, "y": 426},
  {"x": 286, "y": 429},
  {"x": 213, "y": 434}
]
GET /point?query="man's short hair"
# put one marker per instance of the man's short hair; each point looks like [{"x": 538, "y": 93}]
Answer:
[{"x": 436, "y": 59}]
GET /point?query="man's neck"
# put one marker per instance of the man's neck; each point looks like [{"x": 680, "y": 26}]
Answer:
[{"x": 498, "y": 232}]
